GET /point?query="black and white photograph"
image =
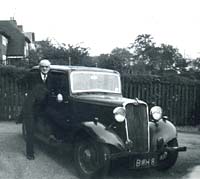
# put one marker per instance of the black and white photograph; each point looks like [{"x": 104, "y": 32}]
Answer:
[{"x": 100, "y": 89}]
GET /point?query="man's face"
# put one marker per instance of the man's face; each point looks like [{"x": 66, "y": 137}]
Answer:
[{"x": 44, "y": 68}]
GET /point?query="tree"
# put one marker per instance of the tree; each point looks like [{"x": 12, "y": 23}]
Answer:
[
  {"x": 142, "y": 48},
  {"x": 58, "y": 53},
  {"x": 193, "y": 69},
  {"x": 78, "y": 55},
  {"x": 103, "y": 61},
  {"x": 117, "y": 60},
  {"x": 195, "y": 64},
  {"x": 157, "y": 59},
  {"x": 171, "y": 59},
  {"x": 45, "y": 49}
]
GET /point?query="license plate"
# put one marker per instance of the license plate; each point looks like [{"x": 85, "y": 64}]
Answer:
[{"x": 145, "y": 162}]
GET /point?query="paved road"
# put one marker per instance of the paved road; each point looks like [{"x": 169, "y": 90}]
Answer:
[{"x": 51, "y": 163}]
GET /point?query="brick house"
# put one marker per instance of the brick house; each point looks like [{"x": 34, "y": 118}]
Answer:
[{"x": 14, "y": 43}]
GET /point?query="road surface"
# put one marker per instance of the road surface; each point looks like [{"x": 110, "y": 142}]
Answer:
[{"x": 53, "y": 163}]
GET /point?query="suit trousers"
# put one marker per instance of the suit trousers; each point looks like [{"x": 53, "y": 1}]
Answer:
[{"x": 30, "y": 128}]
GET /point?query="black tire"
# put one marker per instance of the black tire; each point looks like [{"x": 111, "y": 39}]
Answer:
[
  {"x": 169, "y": 159},
  {"x": 91, "y": 159},
  {"x": 24, "y": 133}
]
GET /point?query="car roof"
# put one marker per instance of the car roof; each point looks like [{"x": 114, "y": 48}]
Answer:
[{"x": 65, "y": 68}]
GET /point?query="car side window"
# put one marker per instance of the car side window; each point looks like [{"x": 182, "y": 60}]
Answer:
[{"x": 59, "y": 84}]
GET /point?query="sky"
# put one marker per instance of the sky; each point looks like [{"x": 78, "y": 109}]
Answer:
[{"x": 102, "y": 25}]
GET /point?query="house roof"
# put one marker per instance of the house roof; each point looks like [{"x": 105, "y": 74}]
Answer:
[{"x": 16, "y": 38}]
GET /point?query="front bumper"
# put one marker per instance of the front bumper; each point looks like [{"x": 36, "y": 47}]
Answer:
[
  {"x": 132, "y": 154},
  {"x": 144, "y": 160},
  {"x": 175, "y": 149}
]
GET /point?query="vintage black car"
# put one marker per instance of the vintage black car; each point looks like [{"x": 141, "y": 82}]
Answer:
[{"x": 88, "y": 110}]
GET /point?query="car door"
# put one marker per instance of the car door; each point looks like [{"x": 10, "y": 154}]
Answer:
[{"x": 58, "y": 111}]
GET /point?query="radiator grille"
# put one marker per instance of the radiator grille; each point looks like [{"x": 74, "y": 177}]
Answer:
[{"x": 137, "y": 122}]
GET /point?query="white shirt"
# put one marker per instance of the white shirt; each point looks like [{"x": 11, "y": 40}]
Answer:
[{"x": 44, "y": 77}]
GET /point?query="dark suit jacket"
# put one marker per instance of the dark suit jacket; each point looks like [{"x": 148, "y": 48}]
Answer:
[
  {"x": 37, "y": 91},
  {"x": 33, "y": 79}
]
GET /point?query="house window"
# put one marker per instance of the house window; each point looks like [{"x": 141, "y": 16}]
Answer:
[
  {"x": 4, "y": 62},
  {"x": 4, "y": 41},
  {"x": 26, "y": 49}
]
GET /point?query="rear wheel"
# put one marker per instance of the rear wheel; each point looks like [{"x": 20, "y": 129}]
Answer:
[
  {"x": 91, "y": 159},
  {"x": 168, "y": 159}
]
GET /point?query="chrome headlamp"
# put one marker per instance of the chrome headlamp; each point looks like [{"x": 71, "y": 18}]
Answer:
[
  {"x": 156, "y": 113},
  {"x": 120, "y": 114}
]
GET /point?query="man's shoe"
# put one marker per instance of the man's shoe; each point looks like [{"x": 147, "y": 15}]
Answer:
[{"x": 30, "y": 157}]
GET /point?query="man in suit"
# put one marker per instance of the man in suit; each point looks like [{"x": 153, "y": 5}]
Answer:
[
  {"x": 44, "y": 67},
  {"x": 38, "y": 85}
]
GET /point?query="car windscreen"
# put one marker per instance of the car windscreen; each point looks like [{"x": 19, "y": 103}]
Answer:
[{"x": 90, "y": 81}]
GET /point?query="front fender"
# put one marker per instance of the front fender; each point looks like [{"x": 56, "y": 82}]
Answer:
[
  {"x": 162, "y": 129},
  {"x": 98, "y": 131}
]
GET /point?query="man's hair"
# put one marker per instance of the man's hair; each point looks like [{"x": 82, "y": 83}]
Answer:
[{"x": 44, "y": 62}]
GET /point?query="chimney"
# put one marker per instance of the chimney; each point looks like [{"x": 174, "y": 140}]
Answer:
[
  {"x": 20, "y": 27},
  {"x": 13, "y": 21},
  {"x": 30, "y": 35}
]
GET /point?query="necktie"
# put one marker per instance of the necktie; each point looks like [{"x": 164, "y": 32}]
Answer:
[{"x": 45, "y": 77}]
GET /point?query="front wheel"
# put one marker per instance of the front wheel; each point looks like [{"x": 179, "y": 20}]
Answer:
[
  {"x": 91, "y": 159},
  {"x": 168, "y": 159}
]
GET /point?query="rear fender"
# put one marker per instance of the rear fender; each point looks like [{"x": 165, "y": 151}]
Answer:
[
  {"x": 162, "y": 129},
  {"x": 98, "y": 132}
]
